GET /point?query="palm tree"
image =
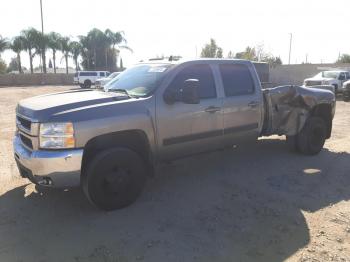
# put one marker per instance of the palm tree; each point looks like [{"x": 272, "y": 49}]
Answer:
[
  {"x": 29, "y": 38},
  {"x": 40, "y": 42},
  {"x": 97, "y": 40},
  {"x": 54, "y": 45},
  {"x": 85, "y": 49},
  {"x": 3, "y": 44},
  {"x": 75, "y": 48},
  {"x": 65, "y": 49},
  {"x": 17, "y": 46},
  {"x": 117, "y": 39}
]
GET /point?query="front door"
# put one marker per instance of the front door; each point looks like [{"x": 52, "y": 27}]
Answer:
[{"x": 185, "y": 129}]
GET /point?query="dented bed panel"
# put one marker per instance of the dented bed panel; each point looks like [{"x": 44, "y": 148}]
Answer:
[{"x": 288, "y": 107}]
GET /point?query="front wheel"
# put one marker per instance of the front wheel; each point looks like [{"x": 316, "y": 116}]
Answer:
[
  {"x": 114, "y": 178},
  {"x": 335, "y": 89},
  {"x": 312, "y": 137}
]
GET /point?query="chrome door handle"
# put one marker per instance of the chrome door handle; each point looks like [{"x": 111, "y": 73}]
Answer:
[
  {"x": 253, "y": 104},
  {"x": 212, "y": 109}
]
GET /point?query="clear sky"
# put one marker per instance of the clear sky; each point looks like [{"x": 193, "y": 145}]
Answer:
[{"x": 154, "y": 27}]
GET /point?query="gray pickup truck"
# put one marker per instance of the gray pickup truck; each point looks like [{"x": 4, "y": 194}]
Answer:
[{"x": 109, "y": 141}]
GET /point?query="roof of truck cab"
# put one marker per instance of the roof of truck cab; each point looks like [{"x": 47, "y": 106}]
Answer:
[
  {"x": 181, "y": 61},
  {"x": 336, "y": 71}
]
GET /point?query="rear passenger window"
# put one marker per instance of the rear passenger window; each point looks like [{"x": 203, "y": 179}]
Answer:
[
  {"x": 102, "y": 74},
  {"x": 237, "y": 79},
  {"x": 203, "y": 73},
  {"x": 88, "y": 73}
]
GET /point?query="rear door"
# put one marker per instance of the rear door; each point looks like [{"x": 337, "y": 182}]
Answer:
[{"x": 242, "y": 105}]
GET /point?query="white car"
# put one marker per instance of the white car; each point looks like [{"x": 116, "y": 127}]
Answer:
[
  {"x": 87, "y": 78},
  {"x": 334, "y": 78},
  {"x": 100, "y": 83}
]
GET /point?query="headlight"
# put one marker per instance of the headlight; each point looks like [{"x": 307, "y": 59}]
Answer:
[{"x": 57, "y": 135}]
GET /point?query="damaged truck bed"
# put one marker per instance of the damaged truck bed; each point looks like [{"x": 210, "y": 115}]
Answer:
[{"x": 288, "y": 107}]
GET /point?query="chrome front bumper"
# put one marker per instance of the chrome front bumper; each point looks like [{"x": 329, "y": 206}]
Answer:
[{"x": 57, "y": 168}]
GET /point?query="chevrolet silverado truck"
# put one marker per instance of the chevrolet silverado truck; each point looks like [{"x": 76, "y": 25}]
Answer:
[
  {"x": 333, "y": 78},
  {"x": 110, "y": 141}
]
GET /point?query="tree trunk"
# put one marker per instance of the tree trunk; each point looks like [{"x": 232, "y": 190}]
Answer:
[
  {"x": 19, "y": 63},
  {"x": 54, "y": 60},
  {"x": 106, "y": 54},
  {"x": 95, "y": 58},
  {"x": 88, "y": 60},
  {"x": 66, "y": 57},
  {"x": 31, "y": 61},
  {"x": 44, "y": 60}
]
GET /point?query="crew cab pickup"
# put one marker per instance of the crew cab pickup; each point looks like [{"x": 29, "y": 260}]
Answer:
[
  {"x": 333, "y": 78},
  {"x": 109, "y": 141}
]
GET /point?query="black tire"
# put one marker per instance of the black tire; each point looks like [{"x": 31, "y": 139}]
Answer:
[
  {"x": 335, "y": 89},
  {"x": 87, "y": 83},
  {"x": 346, "y": 97},
  {"x": 312, "y": 137},
  {"x": 114, "y": 179},
  {"x": 292, "y": 143}
]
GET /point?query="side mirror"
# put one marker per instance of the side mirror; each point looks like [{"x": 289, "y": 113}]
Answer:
[{"x": 190, "y": 92}]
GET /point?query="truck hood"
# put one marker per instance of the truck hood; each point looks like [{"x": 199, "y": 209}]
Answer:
[{"x": 43, "y": 108}]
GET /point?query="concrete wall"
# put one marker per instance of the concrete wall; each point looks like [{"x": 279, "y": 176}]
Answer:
[
  {"x": 295, "y": 74},
  {"x": 279, "y": 75},
  {"x": 36, "y": 79}
]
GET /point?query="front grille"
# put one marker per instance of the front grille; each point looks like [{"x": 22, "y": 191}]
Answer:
[
  {"x": 26, "y": 141},
  {"x": 313, "y": 83},
  {"x": 24, "y": 122}
]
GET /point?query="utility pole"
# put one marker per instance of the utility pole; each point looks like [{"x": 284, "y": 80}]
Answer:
[
  {"x": 42, "y": 32},
  {"x": 290, "y": 47}
]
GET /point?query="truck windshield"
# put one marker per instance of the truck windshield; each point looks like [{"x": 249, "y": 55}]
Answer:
[
  {"x": 328, "y": 74},
  {"x": 139, "y": 80}
]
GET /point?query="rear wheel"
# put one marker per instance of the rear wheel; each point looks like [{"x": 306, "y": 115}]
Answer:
[
  {"x": 312, "y": 137},
  {"x": 346, "y": 96},
  {"x": 87, "y": 83},
  {"x": 114, "y": 178}
]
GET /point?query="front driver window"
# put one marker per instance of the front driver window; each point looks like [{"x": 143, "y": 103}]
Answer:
[{"x": 205, "y": 76}]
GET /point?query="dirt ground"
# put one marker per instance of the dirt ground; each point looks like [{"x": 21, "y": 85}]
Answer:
[{"x": 258, "y": 203}]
